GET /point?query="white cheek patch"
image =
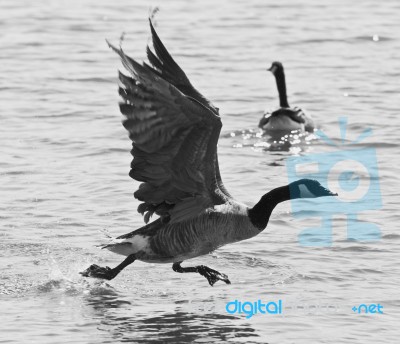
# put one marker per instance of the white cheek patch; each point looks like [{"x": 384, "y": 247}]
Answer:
[{"x": 305, "y": 192}]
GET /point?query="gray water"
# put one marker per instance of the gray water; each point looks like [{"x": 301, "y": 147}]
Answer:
[{"x": 64, "y": 160}]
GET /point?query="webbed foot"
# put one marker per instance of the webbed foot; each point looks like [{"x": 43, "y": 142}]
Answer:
[
  {"x": 212, "y": 275},
  {"x": 96, "y": 271}
]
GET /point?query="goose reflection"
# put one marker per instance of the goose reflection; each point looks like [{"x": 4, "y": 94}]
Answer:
[{"x": 188, "y": 322}]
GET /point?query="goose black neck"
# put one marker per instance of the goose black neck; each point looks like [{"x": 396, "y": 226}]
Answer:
[
  {"x": 281, "y": 85},
  {"x": 259, "y": 215}
]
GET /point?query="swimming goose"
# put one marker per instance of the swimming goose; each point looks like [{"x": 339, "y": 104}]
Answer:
[
  {"x": 285, "y": 119},
  {"x": 175, "y": 130}
]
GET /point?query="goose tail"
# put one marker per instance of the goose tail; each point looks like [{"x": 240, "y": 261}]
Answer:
[{"x": 119, "y": 246}]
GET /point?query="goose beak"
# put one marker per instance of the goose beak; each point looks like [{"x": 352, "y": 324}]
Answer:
[
  {"x": 330, "y": 193},
  {"x": 272, "y": 69},
  {"x": 325, "y": 192}
]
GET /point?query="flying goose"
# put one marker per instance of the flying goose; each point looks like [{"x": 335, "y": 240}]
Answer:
[
  {"x": 175, "y": 130},
  {"x": 285, "y": 119}
]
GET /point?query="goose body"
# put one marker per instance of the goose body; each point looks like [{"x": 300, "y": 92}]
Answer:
[
  {"x": 285, "y": 118},
  {"x": 174, "y": 132},
  {"x": 176, "y": 242}
]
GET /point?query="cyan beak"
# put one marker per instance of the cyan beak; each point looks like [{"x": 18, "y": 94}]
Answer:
[{"x": 328, "y": 192}]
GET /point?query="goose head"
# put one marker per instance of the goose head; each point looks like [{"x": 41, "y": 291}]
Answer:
[
  {"x": 276, "y": 68},
  {"x": 308, "y": 188}
]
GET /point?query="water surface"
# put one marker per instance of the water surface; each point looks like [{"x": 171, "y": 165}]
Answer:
[{"x": 64, "y": 163}]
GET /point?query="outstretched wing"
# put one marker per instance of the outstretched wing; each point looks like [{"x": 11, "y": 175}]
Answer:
[
  {"x": 174, "y": 145},
  {"x": 165, "y": 66}
]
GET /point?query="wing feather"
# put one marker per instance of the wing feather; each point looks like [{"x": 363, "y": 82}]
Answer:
[
  {"x": 166, "y": 67},
  {"x": 174, "y": 139}
]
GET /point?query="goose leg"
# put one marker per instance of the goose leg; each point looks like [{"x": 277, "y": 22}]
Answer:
[
  {"x": 106, "y": 272},
  {"x": 211, "y": 275}
]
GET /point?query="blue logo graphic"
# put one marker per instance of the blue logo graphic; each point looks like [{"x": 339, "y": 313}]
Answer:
[
  {"x": 352, "y": 172},
  {"x": 368, "y": 309},
  {"x": 251, "y": 308}
]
